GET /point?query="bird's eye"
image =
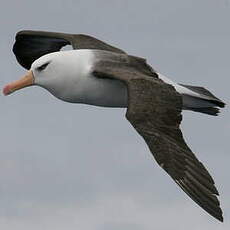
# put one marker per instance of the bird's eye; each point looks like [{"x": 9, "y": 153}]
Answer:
[{"x": 42, "y": 67}]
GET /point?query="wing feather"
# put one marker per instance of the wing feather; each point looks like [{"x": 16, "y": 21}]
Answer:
[
  {"x": 30, "y": 45},
  {"x": 154, "y": 110}
]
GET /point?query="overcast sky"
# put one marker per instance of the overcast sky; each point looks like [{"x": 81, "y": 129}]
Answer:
[{"x": 66, "y": 166}]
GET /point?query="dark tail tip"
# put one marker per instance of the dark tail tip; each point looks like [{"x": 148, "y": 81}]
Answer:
[{"x": 207, "y": 110}]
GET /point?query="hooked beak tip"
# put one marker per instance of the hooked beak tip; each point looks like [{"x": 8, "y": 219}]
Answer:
[
  {"x": 25, "y": 81},
  {"x": 7, "y": 90}
]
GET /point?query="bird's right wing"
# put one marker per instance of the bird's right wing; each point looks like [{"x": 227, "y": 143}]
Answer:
[
  {"x": 30, "y": 45},
  {"x": 154, "y": 110}
]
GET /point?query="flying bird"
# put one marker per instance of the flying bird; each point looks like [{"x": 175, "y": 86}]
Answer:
[{"x": 97, "y": 73}]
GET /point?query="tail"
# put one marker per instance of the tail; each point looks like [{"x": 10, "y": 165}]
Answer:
[{"x": 201, "y": 100}]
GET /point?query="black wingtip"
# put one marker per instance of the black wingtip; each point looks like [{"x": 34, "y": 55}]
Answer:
[
  {"x": 30, "y": 45},
  {"x": 219, "y": 217}
]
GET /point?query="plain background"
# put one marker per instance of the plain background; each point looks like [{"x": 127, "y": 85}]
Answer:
[{"x": 66, "y": 166}]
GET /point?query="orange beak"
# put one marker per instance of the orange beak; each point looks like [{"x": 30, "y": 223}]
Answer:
[{"x": 25, "y": 81}]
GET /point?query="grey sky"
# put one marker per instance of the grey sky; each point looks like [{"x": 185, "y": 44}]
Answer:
[{"x": 66, "y": 166}]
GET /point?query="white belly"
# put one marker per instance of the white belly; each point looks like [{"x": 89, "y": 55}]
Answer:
[
  {"x": 103, "y": 92},
  {"x": 93, "y": 91}
]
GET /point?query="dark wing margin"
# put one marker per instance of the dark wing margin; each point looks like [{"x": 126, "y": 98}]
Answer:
[
  {"x": 154, "y": 110},
  {"x": 30, "y": 45}
]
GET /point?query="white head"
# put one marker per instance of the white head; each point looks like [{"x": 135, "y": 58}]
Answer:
[{"x": 58, "y": 72}]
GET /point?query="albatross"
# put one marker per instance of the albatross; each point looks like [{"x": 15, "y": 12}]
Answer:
[{"x": 96, "y": 73}]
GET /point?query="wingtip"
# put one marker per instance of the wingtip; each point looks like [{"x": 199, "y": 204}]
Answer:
[
  {"x": 220, "y": 217},
  {"x": 22, "y": 32}
]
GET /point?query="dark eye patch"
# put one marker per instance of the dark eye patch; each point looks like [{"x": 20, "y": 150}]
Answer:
[{"x": 43, "y": 66}]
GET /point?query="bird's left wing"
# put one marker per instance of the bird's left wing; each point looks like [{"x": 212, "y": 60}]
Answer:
[
  {"x": 154, "y": 110},
  {"x": 30, "y": 44}
]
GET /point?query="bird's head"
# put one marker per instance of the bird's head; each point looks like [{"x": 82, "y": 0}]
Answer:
[{"x": 57, "y": 72}]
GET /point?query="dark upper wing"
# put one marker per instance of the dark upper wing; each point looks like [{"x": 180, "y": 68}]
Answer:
[
  {"x": 154, "y": 110},
  {"x": 30, "y": 45}
]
